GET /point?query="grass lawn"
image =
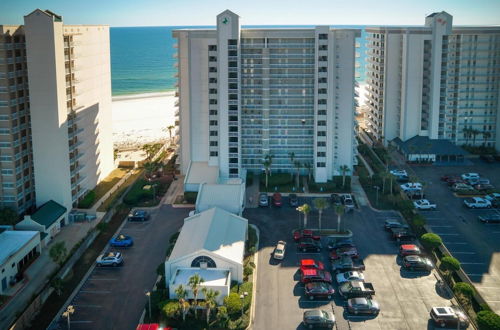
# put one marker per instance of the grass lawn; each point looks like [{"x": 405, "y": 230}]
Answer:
[
  {"x": 280, "y": 182},
  {"x": 119, "y": 192},
  {"x": 105, "y": 185},
  {"x": 383, "y": 201},
  {"x": 145, "y": 193},
  {"x": 333, "y": 186}
]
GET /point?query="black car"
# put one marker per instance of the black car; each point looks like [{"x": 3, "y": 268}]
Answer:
[
  {"x": 390, "y": 223},
  {"x": 417, "y": 263},
  {"x": 308, "y": 244},
  {"x": 334, "y": 244},
  {"x": 402, "y": 234},
  {"x": 319, "y": 319},
  {"x": 335, "y": 200},
  {"x": 488, "y": 158},
  {"x": 490, "y": 218},
  {"x": 139, "y": 215},
  {"x": 294, "y": 200}
]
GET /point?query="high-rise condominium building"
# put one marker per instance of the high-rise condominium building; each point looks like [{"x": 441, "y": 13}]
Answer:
[
  {"x": 248, "y": 93},
  {"x": 55, "y": 79},
  {"x": 437, "y": 80}
]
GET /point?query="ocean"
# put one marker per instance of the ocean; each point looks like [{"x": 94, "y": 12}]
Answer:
[{"x": 142, "y": 58}]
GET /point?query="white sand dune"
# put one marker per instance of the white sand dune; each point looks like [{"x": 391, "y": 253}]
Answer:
[{"x": 142, "y": 118}]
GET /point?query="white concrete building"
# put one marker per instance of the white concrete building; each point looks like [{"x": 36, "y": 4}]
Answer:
[
  {"x": 248, "y": 93},
  {"x": 17, "y": 249},
  {"x": 212, "y": 244},
  {"x": 229, "y": 196},
  {"x": 438, "y": 80},
  {"x": 70, "y": 106}
]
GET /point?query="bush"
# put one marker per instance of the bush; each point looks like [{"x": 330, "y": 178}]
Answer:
[
  {"x": 102, "y": 226},
  {"x": 233, "y": 303},
  {"x": 252, "y": 240},
  {"x": 247, "y": 271},
  {"x": 160, "y": 270},
  {"x": 190, "y": 197},
  {"x": 137, "y": 194},
  {"x": 418, "y": 221},
  {"x": 431, "y": 241},
  {"x": 276, "y": 179},
  {"x": 464, "y": 289},
  {"x": 88, "y": 200},
  {"x": 450, "y": 264},
  {"x": 169, "y": 308},
  {"x": 488, "y": 320}
]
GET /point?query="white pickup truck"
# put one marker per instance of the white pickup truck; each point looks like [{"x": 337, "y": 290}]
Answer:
[{"x": 424, "y": 204}]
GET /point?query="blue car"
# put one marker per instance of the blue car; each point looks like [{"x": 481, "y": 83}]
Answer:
[{"x": 121, "y": 241}]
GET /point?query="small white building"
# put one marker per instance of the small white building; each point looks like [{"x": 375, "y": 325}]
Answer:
[
  {"x": 17, "y": 249},
  {"x": 48, "y": 220},
  {"x": 211, "y": 244},
  {"x": 198, "y": 173},
  {"x": 229, "y": 196}
]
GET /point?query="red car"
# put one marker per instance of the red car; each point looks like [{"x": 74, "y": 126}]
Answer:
[
  {"x": 409, "y": 250},
  {"x": 314, "y": 275},
  {"x": 318, "y": 290},
  {"x": 277, "y": 200},
  {"x": 452, "y": 180},
  {"x": 445, "y": 178},
  {"x": 311, "y": 264},
  {"x": 304, "y": 233},
  {"x": 345, "y": 251}
]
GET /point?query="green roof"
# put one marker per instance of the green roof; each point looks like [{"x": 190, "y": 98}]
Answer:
[
  {"x": 423, "y": 145},
  {"x": 48, "y": 213}
]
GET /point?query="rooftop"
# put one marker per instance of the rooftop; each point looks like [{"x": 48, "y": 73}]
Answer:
[
  {"x": 211, "y": 276},
  {"x": 201, "y": 172},
  {"x": 229, "y": 197},
  {"x": 423, "y": 145},
  {"x": 48, "y": 213},
  {"x": 13, "y": 240}
]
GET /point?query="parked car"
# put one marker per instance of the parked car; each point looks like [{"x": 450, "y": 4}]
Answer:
[
  {"x": 417, "y": 263},
  {"x": 110, "y": 259},
  {"x": 477, "y": 203},
  {"x": 402, "y": 234},
  {"x": 402, "y": 178},
  {"x": 424, "y": 204},
  {"x": 392, "y": 223},
  {"x": 315, "y": 275},
  {"x": 490, "y": 218},
  {"x": 319, "y": 318},
  {"x": 121, "y": 241},
  {"x": 449, "y": 317},
  {"x": 336, "y": 243},
  {"x": 446, "y": 177},
  {"x": 354, "y": 289},
  {"x": 409, "y": 250},
  {"x": 461, "y": 187},
  {"x": 350, "y": 276},
  {"x": 493, "y": 197},
  {"x": 263, "y": 199},
  {"x": 139, "y": 215},
  {"x": 315, "y": 290},
  {"x": 279, "y": 250},
  {"x": 398, "y": 172},
  {"x": 488, "y": 158},
  {"x": 311, "y": 264},
  {"x": 345, "y": 264},
  {"x": 467, "y": 176},
  {"x": 411, "y": 186},
  {"x": 308, "y": 245},
  {"x": 348, "y": 202},
  {"x": 335, "y": 199},
  {"x": 452, "y": 181},
  {"x": 484, "y": 187},
  {"x": 304, "y": 233},
  {"x": 362, "y": 305},
  {"x": 277, "y": 199},
  {"x": 293, "y": 200},
  {"x": 350, "y": 251}
]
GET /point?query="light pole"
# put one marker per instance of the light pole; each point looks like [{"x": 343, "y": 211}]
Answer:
[
  {"x": 377, "y": 188},
  {"x": 242, "y": 296},
  {"x": 70, "y": 310},
  {"x": 149, "y": 301}
]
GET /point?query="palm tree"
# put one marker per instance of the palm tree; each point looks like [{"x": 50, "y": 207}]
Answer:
[
  {"x": 298, "y": 165},
  {"x": 183, "y": 302},
  {"x": 486, "y": 136},
  {"x": 340, "y": 210},
  {"x": 344, "y": 169},
  {"x": 308, "y": 166},
  {"x": 268, "y": 161},
  {"x": 170, "y": 128},
  {"x": 292, "y": 158},
  {"x": 150, "y": 168},
  {"x": 467, "y": 134},
  {"x": 148, "y": 149},
  {"x": 474, "y": 132},
  {"x": 320, "y": 204},
  {"x": 195, "y": 282},
  {"x": 304, "y": 209},
  {"x": 210, "y": 300},
  {"x": 385, "y": 176}
]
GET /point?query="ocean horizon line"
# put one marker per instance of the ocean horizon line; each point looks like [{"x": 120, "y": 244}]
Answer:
[{"x": 142, "y": 95}]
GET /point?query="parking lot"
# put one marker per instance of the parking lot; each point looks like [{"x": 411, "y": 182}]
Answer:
[
  {"x": 405, "y": 298},
  {"x": 114, "y": 298},
  {"x": 476, "y": 245}
]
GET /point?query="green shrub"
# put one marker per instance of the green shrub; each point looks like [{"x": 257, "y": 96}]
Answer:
[
  {"x": 247, "y": 271},
  {"x": 431, "y": 241},
  {"x": 276, "y": 179},
  {"x": 169, "y": 308},
  {"x": 174, "y": 237},
  {"x": 251, "y": 241},
  {"x": 160, "y": 270},
  {"x": 450, "y": 264},
  {"x": 137, "y": 194},
  {"x": 418, "y": 221},
  {"x": 190, "y": 197},
  {"x": 464, "y": 289},
  {"x": 87, "y": 201},
  {"x": 233, "y": 303},
  {"x": 488, "y": 320},
  {"x": 102, "y": 226}
]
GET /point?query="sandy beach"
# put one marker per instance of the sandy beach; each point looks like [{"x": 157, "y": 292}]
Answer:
[{"x": 142, "y": 118}]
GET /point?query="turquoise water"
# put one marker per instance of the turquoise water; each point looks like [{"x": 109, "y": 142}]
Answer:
[{"x": 142, "y": 58}]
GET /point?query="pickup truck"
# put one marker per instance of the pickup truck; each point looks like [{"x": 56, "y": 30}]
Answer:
[
  {"x": 424, "y": 204},
  {"x": 355, "y": 289},
  {"x": 346, "y": 263}
]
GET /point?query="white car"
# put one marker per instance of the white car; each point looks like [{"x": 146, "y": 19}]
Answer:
[
  {"x": 350, "y": 276},
  {"x": 493, "y": 197},
  {"x": 110, "y": 259},
  {"x": 424, "y": 204},
  {"x": 468, "y": 176},
  {"x": 411, "y": 186},
  {"x": 279, "y": 251},
  {"x": 477, "y": 203},
  {"x": 398, "y": 172}
]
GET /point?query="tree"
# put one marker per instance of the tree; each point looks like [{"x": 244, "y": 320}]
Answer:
[
  {"x": 150, "y": 168},
  {"x": 418, "y": 221},
  {"x": 488, "y": 320},
  {"x": 464, "y": 292},
  {"x": 292, "y": 159},
  {"x": 58, "y": 253},
  {"x": 298, "y": 165},
  {"x": 344, "y": 169},
  {"x": 384, "y": 176},
  {"x": 233, "y": 303},
  {"x": 467, "y": 134},
  {"x": 320, "y": 204},
  {"x": 304, "y": 209},
  {"x": 431, "y": 241},
  {"x": 340, "y": 210},
  {"x": 222, "y": 316},
  {"x": 308, "y": 166},
  {"x": 57, "y": 284},
  {"x": 486, "y": 136},
  {"x": 210, "y": 300},
  {"x": 170, "y": 128},
  {"x": 267, "y": 162},
  {"x": 8, "y": 216},
  {"x": 474, "y": 132},
  {"x": 148, "y": 149},
  {"x": 170, "y": 308},
  {"x": 195, "y": 282},
  {"x": 449, "y": 265},
  {"x": 183, "y": 303}
]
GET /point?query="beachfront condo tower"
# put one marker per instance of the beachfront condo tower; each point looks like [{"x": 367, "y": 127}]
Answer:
[
  {"x": 246, "y": 93},
  {"x": 439, "y": 80},
  {"x": 55, "y": 110}
]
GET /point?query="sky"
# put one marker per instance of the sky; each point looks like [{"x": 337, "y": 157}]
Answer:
[{"x": 255, "y": 12}]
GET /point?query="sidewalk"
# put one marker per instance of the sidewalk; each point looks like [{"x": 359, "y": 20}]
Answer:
[
  {"x": 359, "y": 192},
  {"x": 176, "y": 188},
  {"x": 252, "y": 194}
]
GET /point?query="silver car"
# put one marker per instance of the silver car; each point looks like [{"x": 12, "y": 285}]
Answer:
[
  {"x": 363, "y": 306},
  {"x": 263, "y": 199},
  {"x": 110, "y": 259},
  {"x": 319, "y": 319}
]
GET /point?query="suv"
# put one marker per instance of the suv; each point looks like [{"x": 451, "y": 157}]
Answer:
[
  {"x": 417, "y": 263},
  {"x": 277, "y": 200},
  {"x": 263, "y": 199},
  {"x": 391, "y": 223},
  {"x": 309, "y": 244},
  {"x": 294, "y": 201},
  {"x": 411, "y": 186},
  {"x": 461, "y": 187},
  {"x": 449, "y": 317},
  {"x": 337, "y": 243},
  {"x": 311, "y": 264},
  {"x": 315, "y": 275},
  {"x": 318, "y": 290},
  {"x": 348, "y": 202},
  {"x": 409, "y": 250},
  {"x": 319, "y": 318},
  {"x": 477, "y": 203},
  {"x": 110, "y": 259},
  {"x": 350, "y": 251},
  {"x": 138, "y": 215}
]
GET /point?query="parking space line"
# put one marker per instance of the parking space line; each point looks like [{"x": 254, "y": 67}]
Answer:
[
  {"x": 459, "y": 252},
  {"x": 87, "y": 306},
  {"x": 81, "y": 321},
  {"x": 458, "y": 243},
  {"x": 472, "y": 263},
  {"x": 95, "y": 291},
  {"x": 445, "y": 234},
  {"x": 102, "y": 279},
  {"x": 439, "y": 226}
]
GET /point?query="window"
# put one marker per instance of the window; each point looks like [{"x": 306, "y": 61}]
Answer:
[
  {"x": 322, "y": 91},
  {"x": 321, "y": 154},
  {"x": 322, "y": 101},
  {"x": 213, "y": 143},
  {"x": 232, "y": 74},
  {"x": 213, "y": 112},
  {"x": 212, "y": 91},
  {"x": 321, "y": 133},
  {"x": 212, "y": 48},
  {"x": 214, "y": 153},
  {"x": 321, "y": 122},
  {"x": 213, "y": 123},
  {"x": 322, "y": 69},
  {"x": 320, "y": 164},
  {"x": 232, "y": 42},
  {"x": 321, "y": 144},
  {"x": 212, "y": 69},
  {"x": 232, "y": 53},
  {"x": 233, "y": 171},
  {"x": 212, "y": 59},
  {"x": 212, "y": 80},
  {"x": 321, "y": 112},
  {"x": 323, "y": 47},
  {"x": 233, "y": 64},
  {"x": 233, "y": 160},
  {"x": 322, "y": 80},
  {"x": 323, "y": 58},
  {"x": 322, "y": 36},
  {"x": 213, "y": 133}
]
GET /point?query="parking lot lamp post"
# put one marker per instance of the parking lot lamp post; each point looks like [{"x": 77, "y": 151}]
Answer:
[
  {"x": 149, "y": 301},
  {"x": 377, "y": 188},
  {"x": 241, "y": 298},
  {"x": 70, "y": 310}
]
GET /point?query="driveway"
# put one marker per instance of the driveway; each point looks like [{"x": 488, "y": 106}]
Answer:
[
  {"x": 474, "y": 244},
  {"x": 405, "y": 298},
  {"x": 114, "y": 298}
]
